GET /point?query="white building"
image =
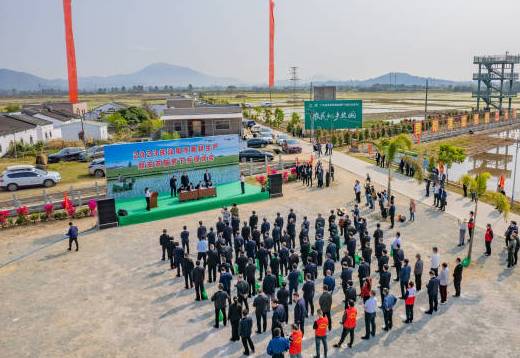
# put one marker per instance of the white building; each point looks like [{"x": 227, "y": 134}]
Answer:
[
  {"x": 93, "y": 130},
  {"x": 24, "y": 129},
  {"x": 70, "y": 124},
  {"x": 104, "y": 109}
]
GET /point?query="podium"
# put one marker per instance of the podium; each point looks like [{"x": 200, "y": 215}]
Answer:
[{"x": 153, "y": 199}]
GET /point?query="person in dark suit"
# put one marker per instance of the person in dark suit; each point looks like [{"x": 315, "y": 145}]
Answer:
[
  {"x": 245, "y": 330},
  {"x": 220, "y": 299},
  {"x": 433, "y": 292},
  {"x": 278, "y": 317},
  {"x": 178, "y": 258},
  {"x": 185, "y": 181},
  {"x": 385, "y": 278},
  {"x": 187, "y": 270},
  {"x": 163, "y": 241},
  {"x": 207, "y": 179},
  {"x": 457, "y": 277},
  {"x": 234, "y": 315},
  {"x": 261, "y": 304},
  {"x": 173, "y": 186},
  {"x": 198, "y": 280},
  {"x": 300, "y": 312},
  {"x": 404, "y": 277}
]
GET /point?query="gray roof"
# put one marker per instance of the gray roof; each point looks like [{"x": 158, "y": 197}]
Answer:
[
  {"x": 29, "y": 119},
  {"x": 58, "y": 115},
  {"x": 9, "y": 125},
  {"x": 202, "y": 110}
]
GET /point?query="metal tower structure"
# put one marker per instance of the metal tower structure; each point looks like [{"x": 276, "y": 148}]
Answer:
[
  {"x": 495, "y": 81},
  {"x": 294, "y": 80}
]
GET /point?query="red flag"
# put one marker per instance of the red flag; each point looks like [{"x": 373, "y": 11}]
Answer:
[
  {"x": 271, "y": 43},
  {"x": 71, "y": 52}
]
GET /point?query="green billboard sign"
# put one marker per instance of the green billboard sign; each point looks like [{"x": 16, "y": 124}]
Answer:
[{"x": 340, "y": 114}]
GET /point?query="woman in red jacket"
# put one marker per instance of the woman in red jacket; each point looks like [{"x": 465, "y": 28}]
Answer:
[
  {"x": 488, "y": 237},
  {"x": 366, "y": 288}
]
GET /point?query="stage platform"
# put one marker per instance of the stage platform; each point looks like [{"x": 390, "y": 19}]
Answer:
[{"x": 227, "y": 194}]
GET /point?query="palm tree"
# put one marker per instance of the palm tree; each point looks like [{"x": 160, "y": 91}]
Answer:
[
  {"x": 478, "y": 185},
  {"x": 389, "y": 148}
]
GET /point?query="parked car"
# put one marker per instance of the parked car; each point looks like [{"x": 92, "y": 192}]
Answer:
[
  {"x": 249, "y": 123},
  {"x": 256, "y": 128},
  {"x": 95, "y": 152},
  {"x": 97, "y": 167},
  {"x": 281, "y": 138},
  {"x": 291, "y": 146},
  {"x": 19, "y": 176},
  {"x": 66, "y": 154},
  {"x": 267, "y": 137},
  {"x": 255, "y": 155},
  {"x": 256, "y": 143}
]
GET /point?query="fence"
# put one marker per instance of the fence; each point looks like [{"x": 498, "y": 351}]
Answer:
[{"x": 81, "y": 196}]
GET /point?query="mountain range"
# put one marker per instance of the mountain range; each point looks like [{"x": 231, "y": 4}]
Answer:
[{"x": 162, "y": 74}]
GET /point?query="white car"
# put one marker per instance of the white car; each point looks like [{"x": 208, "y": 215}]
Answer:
[
  {"x": 19, "y": 176},
  {"x": 281, "y": 138},
  {"x": 266, "y": 136},
  {"x": 97, "y": 167}
]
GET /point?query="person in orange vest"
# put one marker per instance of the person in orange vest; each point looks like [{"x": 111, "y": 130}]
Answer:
[
  {"x": 409, "y": 300},
  {"x": 295, "y": 347},
  {"x": 320, "y": 329},
  {"x": 349, "y": 324}
]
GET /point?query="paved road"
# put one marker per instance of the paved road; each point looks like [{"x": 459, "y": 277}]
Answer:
[{"x": 458, "y": 206}]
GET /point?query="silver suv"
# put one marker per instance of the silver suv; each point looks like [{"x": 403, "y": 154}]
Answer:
[
  {"x": 19, "y": 176},
  {"x": 97, "y": 167}
]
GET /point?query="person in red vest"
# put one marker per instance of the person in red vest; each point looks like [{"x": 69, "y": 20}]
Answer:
[
  {"x": 349, "y": 324},
  {"x": 320, "y": 329},
  {"x": 409, "y": 301},
  {"x": 488, "y": 237},
  {"x": 295, "y": 347}
]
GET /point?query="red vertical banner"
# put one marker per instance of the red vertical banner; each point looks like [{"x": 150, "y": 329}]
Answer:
[
  {"x": 71, "y": 52},
  {"x": 271, "y": 43}
]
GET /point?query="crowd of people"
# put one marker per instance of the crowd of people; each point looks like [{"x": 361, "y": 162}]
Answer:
[
  {"x": 262, "y": 265},
  {"x": 306, "y": 171}
]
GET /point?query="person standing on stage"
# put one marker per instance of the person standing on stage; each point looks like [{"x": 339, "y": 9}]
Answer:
[
  {"x": 243, "y": 183},
  {"x": 147, "y": 195},
  {"x": 173, "y": 186},
  {"x": 207, "y": 179}
]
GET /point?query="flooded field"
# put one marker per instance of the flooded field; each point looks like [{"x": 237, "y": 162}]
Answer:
[{"x": 495, "y": 154}]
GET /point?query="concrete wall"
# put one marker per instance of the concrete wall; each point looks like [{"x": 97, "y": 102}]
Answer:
[
  {"x": 20, "y": 137},
  {"x": 96, "y": 131}
]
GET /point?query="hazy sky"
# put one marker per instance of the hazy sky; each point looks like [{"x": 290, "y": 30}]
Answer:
[{"x": 336, "y": 39}]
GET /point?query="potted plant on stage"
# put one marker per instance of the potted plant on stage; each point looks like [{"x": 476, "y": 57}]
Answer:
[{"x": 262, "y": 180}]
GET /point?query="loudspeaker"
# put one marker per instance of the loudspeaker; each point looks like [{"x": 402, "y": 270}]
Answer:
[
  {"x": 107, "y": 213},
  {"x": 275, "y": 185}
]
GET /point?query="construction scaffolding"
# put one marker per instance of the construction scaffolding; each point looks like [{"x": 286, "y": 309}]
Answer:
[{"x": 495, "y": 81}]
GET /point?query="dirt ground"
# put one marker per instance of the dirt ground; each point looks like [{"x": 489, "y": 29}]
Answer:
[{"x": 115, "y": 297}]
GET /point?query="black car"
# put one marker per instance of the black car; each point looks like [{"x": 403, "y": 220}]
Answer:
[
  {"x": 66, "y": 154},
  {"x": 256, "y": 143},
  {"x": 254, "y": 154}
]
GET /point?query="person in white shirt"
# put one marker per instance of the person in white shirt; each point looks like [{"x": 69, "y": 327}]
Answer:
[
  {"x": 443, "y": 282},
  {"x": 435, "y": 261},
  {"x": 370, "y": 315},
  {"x": 147, "y": 195},
  {"x": 396, "y": 241},
  {"x": 243, "y": 183},
  {"x": 202, "y": 249},
  {"x": 462, "y": 231}
]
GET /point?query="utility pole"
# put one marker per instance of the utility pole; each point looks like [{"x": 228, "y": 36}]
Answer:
[
  {"x": 294, "y": 80},
  {"x": 426, "y": 101}
]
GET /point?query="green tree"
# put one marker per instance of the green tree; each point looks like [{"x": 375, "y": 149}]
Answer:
[
  {"x": 12, "y": 108},
  {"x": 279, "y": 117},
  {"x": 449, "y": 154},
  {"x": 478, "y": 185},
  {"x": 117, "y": 121},
  {"x": 389, "y": 148},
  {"x": 170, "y": 136},
  {"x": 150, "y": 126},
  {"x": 268, "y": 116},
  {"x": 294, "y": 122}
]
